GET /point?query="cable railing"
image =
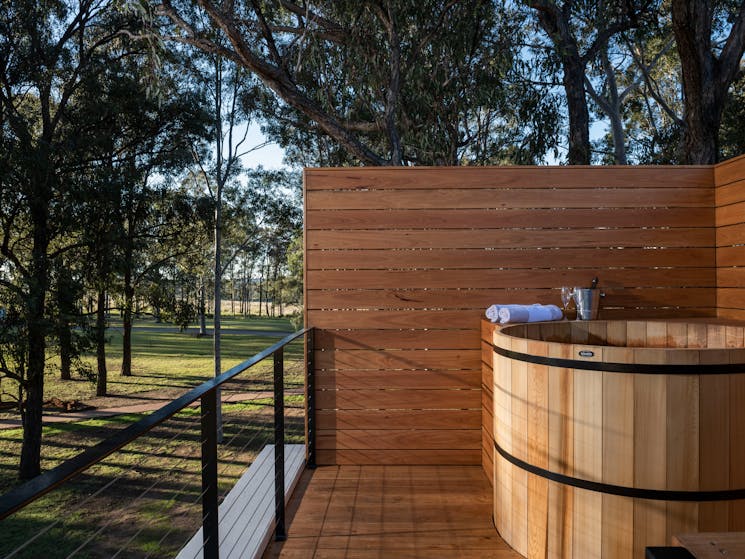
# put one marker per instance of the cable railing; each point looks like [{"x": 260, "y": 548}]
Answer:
[{"x": 254, "y": 416}]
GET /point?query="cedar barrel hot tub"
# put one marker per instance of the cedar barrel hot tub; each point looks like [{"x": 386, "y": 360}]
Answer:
[{"x": 610, "y": 436}]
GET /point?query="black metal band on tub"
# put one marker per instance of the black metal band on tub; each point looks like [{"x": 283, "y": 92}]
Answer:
[
  {"x": 644, "y": 368},
  {"x": 621, "y": 490}
]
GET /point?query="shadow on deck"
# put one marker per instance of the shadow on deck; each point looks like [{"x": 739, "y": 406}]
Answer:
[{"x": 391, "y": 511}]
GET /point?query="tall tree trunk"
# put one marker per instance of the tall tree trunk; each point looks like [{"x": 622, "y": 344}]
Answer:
[
  {"x": 31, "y": 410},
  {"x": 249, "y": 287},
  {"x": 101, "y": 377},
  {"x": 275, "y": 287},
  {"x": 129, "y": 295},
  {"x": 554, "y": 23},
  {"x": 218, "y": 304},
  {"x": 127, "y": 323},
  {"x": 692, "y": 28},
  {"x": 612, "y": 108},
  {"x": 267, "y": 289},
  {"x": 202, "y": 308},
  {"x": 66, "y": 307},
  {"x": 261, "y": 288},
  {"x": 394, "y": 84},
  {"x": 64, "y": 336},
  {"x": 232, "y": 288},
  {"x": 579, "y": 115},
  {"x": 706, "y": 78}
]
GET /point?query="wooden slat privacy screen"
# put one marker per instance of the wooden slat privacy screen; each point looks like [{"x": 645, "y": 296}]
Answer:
[
  {"x": 729, "y": 178},
  {"x": 401, "y": 263}
]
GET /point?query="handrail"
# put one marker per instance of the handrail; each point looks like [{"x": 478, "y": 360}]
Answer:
[{"x": 31, "y": 490}]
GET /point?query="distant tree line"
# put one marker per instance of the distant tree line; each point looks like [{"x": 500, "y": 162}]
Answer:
[{"x": 123, "y": 126}]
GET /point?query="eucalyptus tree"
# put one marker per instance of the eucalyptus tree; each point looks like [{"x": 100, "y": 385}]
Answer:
[
  {"x": 230, "y": 91},
  {"x": 579, "y": 34},
  {"x": 710, "y": 38},
  {"x": 156, "y": 138},
  {"x": 732, "y": 132},
  {"x": 46, "y": 51},
  {"x": 390, "y": 82},
  {"x": 653, "y": 111}
]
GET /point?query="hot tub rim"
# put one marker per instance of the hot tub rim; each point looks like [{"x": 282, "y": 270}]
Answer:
[{"x": 644, "y": 359}]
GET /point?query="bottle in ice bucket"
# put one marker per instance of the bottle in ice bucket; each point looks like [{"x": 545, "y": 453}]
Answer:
[{"x": 588, "y": 301}]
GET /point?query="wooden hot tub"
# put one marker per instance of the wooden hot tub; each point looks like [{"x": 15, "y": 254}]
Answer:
[{"x": 610, "y": 436}]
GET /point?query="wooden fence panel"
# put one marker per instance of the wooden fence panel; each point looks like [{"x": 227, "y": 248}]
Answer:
[
  {"x": 729, "y": 180},
  {"x": 401, "y": 263}
]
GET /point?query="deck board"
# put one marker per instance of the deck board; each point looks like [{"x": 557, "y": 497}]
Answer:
[
  {"x": 247, "y": 512},
  {"x": 391, "y": 511}
]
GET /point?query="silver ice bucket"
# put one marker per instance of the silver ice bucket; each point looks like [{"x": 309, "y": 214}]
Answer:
[{"x": 588, "y": 303}]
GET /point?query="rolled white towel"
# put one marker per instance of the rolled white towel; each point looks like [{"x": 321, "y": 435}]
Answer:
[
  {"x": 529, "y": 313},
  {"x": 492, "y": 313},
  {"x": 514, "y": 313},
  {"x": 556, "y": 312},
  {"x": 539, "y": 313}
]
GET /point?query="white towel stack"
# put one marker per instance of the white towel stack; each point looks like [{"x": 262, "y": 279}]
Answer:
[{"x": 523, "y": 313}]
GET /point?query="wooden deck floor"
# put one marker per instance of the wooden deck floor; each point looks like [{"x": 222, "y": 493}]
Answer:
[{"x": 391, "y": 511}]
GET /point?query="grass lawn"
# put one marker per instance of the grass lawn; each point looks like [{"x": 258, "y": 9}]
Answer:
[
  {"x": 228, "y": 322},
  {"x": 167, "y": 362},
  {"x": 149, "y": 502}
]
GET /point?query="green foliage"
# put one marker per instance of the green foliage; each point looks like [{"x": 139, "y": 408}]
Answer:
[
  {"x": 13, "y": 348},
  {"x": 732, "y": 132},
  {"x": 183, "y": 314}
]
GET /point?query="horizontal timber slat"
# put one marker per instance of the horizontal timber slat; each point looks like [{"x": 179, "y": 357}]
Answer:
[
  {"x": 731, "y": 256},
  {"x": 413, "y": 380},
  {"x": 399, "y": 419},
  {"x": 397, "y": 339},
  {"x": 398, "y": 399},
  {"x": 731, "y": 214},
  {"x": 440, "y": 359},
  {"x": 393, "y": 319},
  {"x": 731, "y": 313},
  {"x": 412, "y": 279},
  {"x": 482, "y": 298},
  {"x": 511, "y": 238},
  {"x": 508, "y": 218},
  {"x": 730, "y": 194},
  {"x": 729, "y": 171},
  {"x": 487, "y": 356},
  {"x": 475, "y": 258},
  {"x": 511, "y": 198},
  {"x": 389, "y": 439},
  {"x": 731, "y": 298},
  {"x": 729, "y": 277},
  {"x": 514, "y": 177},
  {"x": 730, "y": 235},
  {"x": 487, "y": 377}
]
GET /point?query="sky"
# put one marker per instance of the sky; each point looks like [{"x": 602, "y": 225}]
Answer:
[{"x": 270, "y": 156}]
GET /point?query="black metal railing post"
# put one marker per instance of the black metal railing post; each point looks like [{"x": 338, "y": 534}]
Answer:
[
  {"x": 280, "y": 533},
  {"x": 310, "y": 397},
  {"x": 210, "y": 519}
]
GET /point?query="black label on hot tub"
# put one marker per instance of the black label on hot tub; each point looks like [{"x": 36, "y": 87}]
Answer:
[{"x": 586, "y": 353}]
